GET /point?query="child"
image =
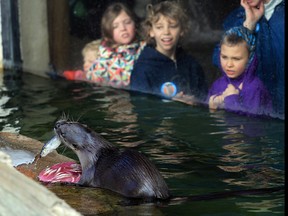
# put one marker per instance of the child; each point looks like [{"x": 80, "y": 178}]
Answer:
[
  {"x": 266, "y": 18},
  {"x": 90, "y": 53},
  {"x": 118, "y": 50},
  {"x": 163, "y": 64},
  {"x": 239, "y": 90}
]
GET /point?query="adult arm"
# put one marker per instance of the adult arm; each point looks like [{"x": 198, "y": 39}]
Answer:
[{"x": 252, "y": 14}]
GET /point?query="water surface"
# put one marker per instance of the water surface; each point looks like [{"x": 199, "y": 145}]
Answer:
[{"x": 197, "y": 152}]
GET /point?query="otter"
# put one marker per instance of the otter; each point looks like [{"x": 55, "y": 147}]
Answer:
[{"x": 125, "y": 171}]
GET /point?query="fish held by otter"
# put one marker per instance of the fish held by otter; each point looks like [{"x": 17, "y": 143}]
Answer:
[
  {"x": 49, "y": 146},
  {"x": 104, "y": 165}
]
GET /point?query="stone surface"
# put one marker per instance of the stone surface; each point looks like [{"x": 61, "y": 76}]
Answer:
[
  {"x": 87, "y": 201},
  {"x": 22, "y": 196}
]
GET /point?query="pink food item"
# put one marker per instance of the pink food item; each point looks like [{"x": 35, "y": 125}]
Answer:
[{"x": 61, "y": 172}]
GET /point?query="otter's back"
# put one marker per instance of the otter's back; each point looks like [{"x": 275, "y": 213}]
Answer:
[{"x": 130, "y": 173}]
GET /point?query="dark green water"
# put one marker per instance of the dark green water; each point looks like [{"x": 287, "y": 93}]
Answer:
[{"x": 197, "y": 152}]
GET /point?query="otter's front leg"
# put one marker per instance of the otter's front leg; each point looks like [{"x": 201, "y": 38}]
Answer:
[{"x": 88, "y": 177}]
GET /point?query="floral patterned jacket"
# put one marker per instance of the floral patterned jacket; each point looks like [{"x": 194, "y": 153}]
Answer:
[{"x": 113, "y": 67}]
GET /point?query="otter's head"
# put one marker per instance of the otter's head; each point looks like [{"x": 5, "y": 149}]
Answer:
[
  {"x": 73, "y": 134},
  {"x": 81, "y": 139}
]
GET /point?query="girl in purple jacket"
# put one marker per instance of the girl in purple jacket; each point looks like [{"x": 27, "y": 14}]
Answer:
[{"x": 239, "y": 89}]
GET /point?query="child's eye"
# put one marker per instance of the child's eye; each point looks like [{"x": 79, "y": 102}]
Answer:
[
  {"x": 174, "y": 26},
  {"x": 223, "y": 57},
  {"x": 158, "y": 27},
  {"x": 128, "y": 21}
]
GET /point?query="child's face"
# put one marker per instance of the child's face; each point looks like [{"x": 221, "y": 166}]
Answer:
[
  {"x": 88, "y": 59},
  {"x": 254, "y": 3},
  {"x": 166, "y": 32},
  {"x": 234, "y": 59},
  {"x": 123, "y": 29}
]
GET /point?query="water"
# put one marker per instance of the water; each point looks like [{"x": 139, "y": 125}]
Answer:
[{"x": 197, "y": 152}]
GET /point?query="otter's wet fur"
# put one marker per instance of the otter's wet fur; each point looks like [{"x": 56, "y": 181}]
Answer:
[{"x": 126, "y": 172}]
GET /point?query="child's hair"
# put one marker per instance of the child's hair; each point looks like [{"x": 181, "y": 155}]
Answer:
[
  {"x": 109, "y": 16},
  {"x": 238, "y": 35},
  {"x": 93, "y": 46},
  {"x": 167, "y": 9},
  {"x": 233, "y": 40}
]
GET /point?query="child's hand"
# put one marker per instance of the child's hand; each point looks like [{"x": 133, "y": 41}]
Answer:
[
  {"x": 218, "y": 101},
  {"x": 230, "y": 90},
  {"x": 188, "y": 99},
  {"x": 253, "y": 14}
]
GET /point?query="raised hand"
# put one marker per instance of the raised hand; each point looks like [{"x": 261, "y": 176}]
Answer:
[{"x": 253, "y": 14}]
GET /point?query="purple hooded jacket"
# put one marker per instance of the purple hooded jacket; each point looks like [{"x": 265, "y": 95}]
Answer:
[{"x": 253, "y": 99}]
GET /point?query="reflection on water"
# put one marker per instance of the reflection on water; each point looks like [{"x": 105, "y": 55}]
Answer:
[
  {"x": 264, "y": 206},
  {"x": 5, "y": 112},
  {"x": 246, "y": 154},
  {"x": 196, "y": 151}
]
